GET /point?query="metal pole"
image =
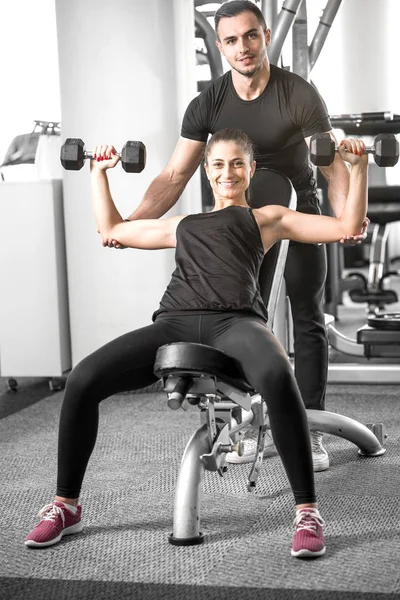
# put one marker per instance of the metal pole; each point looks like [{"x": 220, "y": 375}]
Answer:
[
  {"x": 300, "y": 60},
  {"x": 322, "y": 30},
  {"x": 283, "y": 24},
  {"x": 186, "y": 527},
  {"x": 269, "y": 9}
]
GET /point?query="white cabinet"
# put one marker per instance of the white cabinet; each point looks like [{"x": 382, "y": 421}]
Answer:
[{"x": 34, "y": 320}]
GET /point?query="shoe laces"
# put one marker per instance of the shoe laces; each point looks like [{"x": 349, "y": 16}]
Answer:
[
  {"x": 50, "y": 512},
  {"x": 251, "y": 444},
  {"x": 316, "y": 441},
  {"x": 308, "y": 520},
  {"x": 251, "y": 436}
]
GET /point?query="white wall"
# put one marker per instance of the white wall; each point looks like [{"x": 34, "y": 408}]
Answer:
[
  {"x": 119, "y": 81},
  {"x": 355, "y": 69}
]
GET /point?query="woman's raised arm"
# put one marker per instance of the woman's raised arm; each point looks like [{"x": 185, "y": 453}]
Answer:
[
  {"x": 149, "y": 234},
  {"x": 284, "y": 223}
]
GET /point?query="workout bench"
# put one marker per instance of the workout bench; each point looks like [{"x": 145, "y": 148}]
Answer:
[{"x": 201, "y": 375}]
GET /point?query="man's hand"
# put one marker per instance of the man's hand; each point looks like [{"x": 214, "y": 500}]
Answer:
[
  {"x": 106, "y": 243},
  {"x": 354, "y": 240},
  {"x": 112, "y": 244}
]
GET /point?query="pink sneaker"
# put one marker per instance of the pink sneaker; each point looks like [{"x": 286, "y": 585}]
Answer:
[
  {"x": 308, "y": 540},
  {"x": 57, "y": 520}
]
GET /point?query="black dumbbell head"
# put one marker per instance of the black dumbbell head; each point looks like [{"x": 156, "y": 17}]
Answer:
[
  {"x": 133, "y": 157},
  {"x": 322, "y": 149},
  {"x": 72, "y": 154},
  {"x": 386, "y": 150}
]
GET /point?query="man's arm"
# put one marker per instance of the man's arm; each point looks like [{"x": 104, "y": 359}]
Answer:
[{"x": 165, "y": 189}]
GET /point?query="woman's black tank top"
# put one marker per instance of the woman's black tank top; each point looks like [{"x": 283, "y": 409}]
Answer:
[{"x": 218, "y": 259}]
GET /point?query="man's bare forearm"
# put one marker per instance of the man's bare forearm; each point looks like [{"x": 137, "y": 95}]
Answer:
[{"x": 160, "y": 196}]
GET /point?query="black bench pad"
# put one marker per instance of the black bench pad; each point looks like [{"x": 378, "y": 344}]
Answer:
[
  {"x": 198, "y": 359},
  {"x": 372, "y": 335},
  {"x": 379, "y": 343}
]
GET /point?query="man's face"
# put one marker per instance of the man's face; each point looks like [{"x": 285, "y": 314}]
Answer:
[{"x": 243, "y": 42}]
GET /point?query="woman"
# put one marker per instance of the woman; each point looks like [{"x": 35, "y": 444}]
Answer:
[{"x": 213, "y": 298}]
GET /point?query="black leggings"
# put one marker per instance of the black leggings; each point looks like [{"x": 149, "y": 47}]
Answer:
[{"x": 127, "y": 364}]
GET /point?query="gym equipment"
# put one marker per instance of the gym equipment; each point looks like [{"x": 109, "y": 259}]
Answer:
[
  {"x": 73, "y": 155},
  {"x": 205, "y": 31},
  {"x": 383, "y": 209},
  {"x": 367, "y": 123},
  {"x": 200, "y": 375},
  {"x": 385, "y": 321},
  {"x": 376, "y": 339},
  {"x": 22, "y": 150},
  {"x": 385, "y": 150},
  {"x": 296, "y": 9},
  {"x": 380, "y": 337},
  {"x": 386, "y": 115}
]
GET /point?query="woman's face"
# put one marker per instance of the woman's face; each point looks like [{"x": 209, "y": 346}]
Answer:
[{"x": 229, "y": 169}]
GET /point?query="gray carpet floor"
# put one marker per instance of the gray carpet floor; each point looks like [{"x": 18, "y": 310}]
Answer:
[{"x": 127, "y": 502}]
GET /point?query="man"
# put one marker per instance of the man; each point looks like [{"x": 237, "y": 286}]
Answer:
[{"x": 280, "y": 111}]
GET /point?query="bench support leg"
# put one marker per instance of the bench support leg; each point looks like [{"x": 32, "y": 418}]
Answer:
[
  {"x": 349, "y": 429},
  {"x": 186, "y": 526}
]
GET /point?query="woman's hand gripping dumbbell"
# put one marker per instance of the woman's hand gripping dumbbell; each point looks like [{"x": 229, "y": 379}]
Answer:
[{"x": 106, "y": 155}]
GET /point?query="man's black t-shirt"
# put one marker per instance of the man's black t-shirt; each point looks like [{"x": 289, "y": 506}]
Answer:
[{"x": 287, "y": 111}]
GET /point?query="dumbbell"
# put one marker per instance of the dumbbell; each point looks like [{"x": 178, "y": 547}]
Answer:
[
  {"x": 385, "y": 150},
  {"x": 73, "y": 155}
]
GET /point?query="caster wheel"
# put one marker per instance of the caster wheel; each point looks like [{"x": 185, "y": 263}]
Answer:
[
  {"x": 56, "y": 384},
  {"x": 12, "y": 384}
]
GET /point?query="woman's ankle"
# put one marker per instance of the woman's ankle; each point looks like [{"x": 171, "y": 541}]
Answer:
[
  {"x": 307, "y": 505},
  {"x": 70, "y": 501}
]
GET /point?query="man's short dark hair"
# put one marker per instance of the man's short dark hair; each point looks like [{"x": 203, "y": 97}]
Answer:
[{"x": 237, "y": 7}]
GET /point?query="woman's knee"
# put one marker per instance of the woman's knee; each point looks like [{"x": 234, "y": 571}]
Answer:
[
  {"x": 276, "y": 381},
  {"x": 82, "y": 380}
]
